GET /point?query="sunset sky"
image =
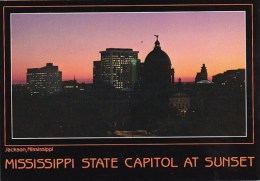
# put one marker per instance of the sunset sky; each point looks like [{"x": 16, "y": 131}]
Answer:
[{"x": 73, "y": 40}]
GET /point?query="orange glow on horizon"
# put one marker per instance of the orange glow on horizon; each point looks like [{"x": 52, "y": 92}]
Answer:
[{"x": 73, "y": 41}]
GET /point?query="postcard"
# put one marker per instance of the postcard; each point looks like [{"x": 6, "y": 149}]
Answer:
[{"x": 129, "y": 91}]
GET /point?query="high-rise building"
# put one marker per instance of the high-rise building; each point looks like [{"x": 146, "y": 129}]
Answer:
[
  {"x": 118, "y": 67},
  {"x": 202, "y": 75},
  {"x": 44, "y": 81}
]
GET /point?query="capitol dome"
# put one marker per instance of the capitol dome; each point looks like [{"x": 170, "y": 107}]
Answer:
[
  {"x": 158, "y": 57},
  {"x": 157, "y": 68}
]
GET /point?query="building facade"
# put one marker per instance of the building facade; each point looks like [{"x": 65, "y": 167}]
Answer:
[
  {"x": 230, "y": 78},
  {"x": 44, "y": 81},
  {"x": 70, "y": 86},
  {"x": 181, "y": 102},
  {"x": 118, "y": 67}
]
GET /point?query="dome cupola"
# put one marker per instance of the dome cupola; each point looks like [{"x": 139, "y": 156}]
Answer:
[{"x": 157, "y": 68}]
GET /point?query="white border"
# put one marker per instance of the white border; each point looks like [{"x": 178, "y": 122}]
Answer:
[{"x": 146, "y": 137}]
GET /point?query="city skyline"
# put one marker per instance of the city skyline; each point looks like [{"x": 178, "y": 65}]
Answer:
[{"x": 73, "y": 40}]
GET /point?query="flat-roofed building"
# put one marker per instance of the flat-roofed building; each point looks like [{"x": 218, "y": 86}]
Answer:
[
  {"x": 118, "y": 67},
  {"x": 45, "y": 80}
]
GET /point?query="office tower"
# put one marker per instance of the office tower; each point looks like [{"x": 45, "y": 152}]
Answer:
[
  {"x": 45, "y": 80},
  {"x": 118, "y": 67}
]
